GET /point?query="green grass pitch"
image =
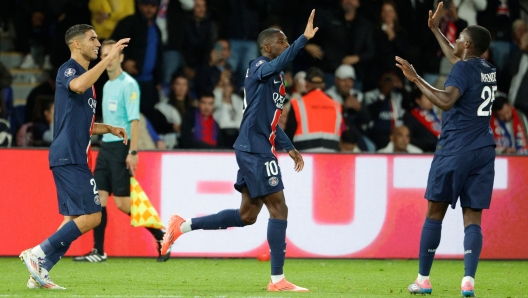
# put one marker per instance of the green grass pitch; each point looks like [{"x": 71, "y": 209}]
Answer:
[{"x": 141, "y": 277}]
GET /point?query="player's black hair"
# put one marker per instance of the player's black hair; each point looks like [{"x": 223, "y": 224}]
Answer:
[
  {"x": 265, "y": 35},
  {"x": 499, "y": 103},
  {"x": 75, "y": 31},
  {"x": 480, "y": 37},
  {"x": 348, "y": 136}
]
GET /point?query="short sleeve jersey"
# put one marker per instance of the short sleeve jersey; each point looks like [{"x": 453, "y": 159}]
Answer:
[
  {"x": 264, "y": 95},
  {"x": 466, "y": 126},
  {"x": 120, "y": 104},
  {"x": 73, "y": 120}
]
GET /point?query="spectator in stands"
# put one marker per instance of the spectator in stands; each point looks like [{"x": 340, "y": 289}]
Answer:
[
  {"x": 43, "y": 121},
  {"x": 148, "y": 138},
  {"x": 498, "y": 18},
  {"x": 513, "y": 79},
  {"x": 345, "y": 37},
  {"x": 209, "y": 72},
  {"x": 199, "y": 129},
  {"x": 355, "y": 113},
  {"x": 519, "y": 29},
  {"x": 434, "y": 62},
  {"x": 143, "y": 55},
  {"x": 391, "y": 40},
  {"x": 33, "y": 33},
  {"x": 508, "y": 127},
  {"x": 5, "y": 81},
  {"x": 348, "y": 142},
  {"x": 228, "y": 111},
  {"x": 314, "y": 121},
  {"x": 423, "y": 122},
  {"x": 171, "y": 21},
  {"x": 200, "y": 36},
  {"x": 5, "y": 128},
  {"x": 400, "y": 139},
  {"x": 468, "y": 9},
  {"x": 386, "y": 107},
  {"x": 107, "y": 13},
  {"x": 47, "y": 88}
]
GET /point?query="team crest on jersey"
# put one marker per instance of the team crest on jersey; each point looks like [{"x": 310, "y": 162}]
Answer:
[
  {"x": 273, "y": 181},
  {"x": 97, "y": 200},
  {"x": 259, "y": 63},
  {"x": 69, "y": 72}
]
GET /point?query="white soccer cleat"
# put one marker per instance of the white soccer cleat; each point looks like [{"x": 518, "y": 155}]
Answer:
[
  {"x": 33, "y": 263},
  {"x": 32, "y": 283},
  {"x": 47, "y": 283}
]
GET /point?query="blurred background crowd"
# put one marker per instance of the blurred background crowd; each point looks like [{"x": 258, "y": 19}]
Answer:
[{"x": 190, "y": 57}]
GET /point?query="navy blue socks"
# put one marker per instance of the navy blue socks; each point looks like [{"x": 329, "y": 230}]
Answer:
[
  {"x": 277, "y": 244},
  {"x": 221, "y": 220},
  {"x": 472, "y": 249},
  {"x": 431, "y": 233}
]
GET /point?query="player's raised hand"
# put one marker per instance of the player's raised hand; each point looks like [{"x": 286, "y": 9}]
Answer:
[
  {"x": 434, "y": 19},
  {"x": 310, "y": 31},
  {"x": 118, "y": 47},
  {"x": 297, "y": 158},
  {"x": 407, "y": 68},
  {"x": 119, "y": 132}
]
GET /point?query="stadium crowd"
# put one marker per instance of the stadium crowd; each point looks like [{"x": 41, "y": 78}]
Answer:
[{"x": 190, "y": 57}]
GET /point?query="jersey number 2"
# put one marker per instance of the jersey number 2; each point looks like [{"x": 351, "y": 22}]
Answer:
[
  {"x": 488, "y": 95},
  {"x": 92, "y": 182}
]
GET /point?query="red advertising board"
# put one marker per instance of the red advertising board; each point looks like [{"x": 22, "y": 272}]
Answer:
[{"x": 340, "y": 206}]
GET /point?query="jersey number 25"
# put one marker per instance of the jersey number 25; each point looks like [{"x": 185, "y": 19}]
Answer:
[{"x": 488, "y": 95}]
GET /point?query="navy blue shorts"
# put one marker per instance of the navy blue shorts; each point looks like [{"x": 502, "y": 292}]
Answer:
[
  {"x": 259, "y": 172},
  {"x": 76, "y": 190},
  {"x": 468, "y": 175}
]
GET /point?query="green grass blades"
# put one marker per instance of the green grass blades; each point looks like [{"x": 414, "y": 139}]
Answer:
[{"x": 124, "y": 277}]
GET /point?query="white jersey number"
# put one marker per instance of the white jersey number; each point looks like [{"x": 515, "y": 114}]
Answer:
[
  {"x": 488, "y": 95},
  {"x": 271, "y": 168}
]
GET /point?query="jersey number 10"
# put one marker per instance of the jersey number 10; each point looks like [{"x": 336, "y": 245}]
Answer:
[{"x": 488, "y": 95}]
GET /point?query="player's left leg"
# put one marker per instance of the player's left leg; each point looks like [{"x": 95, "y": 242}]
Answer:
[{"x": 276, "y": 204}]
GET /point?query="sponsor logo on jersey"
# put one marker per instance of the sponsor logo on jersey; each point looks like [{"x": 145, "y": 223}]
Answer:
[
  {"x": 279, "y": 97},
  {"x": 69, "y": 72},
  {"x": 97, "y": 200},
  {"x": 273, "y": 181},
  {"x": 92, "y": 103}
]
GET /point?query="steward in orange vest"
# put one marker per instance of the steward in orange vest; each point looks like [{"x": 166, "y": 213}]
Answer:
[{"x": 315, "y": 120}]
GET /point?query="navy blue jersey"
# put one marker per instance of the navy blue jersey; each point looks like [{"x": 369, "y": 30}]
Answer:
[
  {"x": 264, "y": 95},
  {"x": 466, "y": 126},
  {"x": 73, "y": 120}
]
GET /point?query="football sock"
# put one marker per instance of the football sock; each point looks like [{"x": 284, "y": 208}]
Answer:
[
  {"x": 186, "y": 226},
  {"x": 431, "y": 233},
  {"x": 472, "y": 248},
  {"x": 276, "y": 278},
  {"x": 277, "y": 244},
  {"x": 157, "y": 233},
  {"x": 466, "y": 279},
  {"x": 61, "y": 238},
  {"x": 221, "y": 220},
  {"x": 420, "y": 279},
  {"x": 54, "y": 257},
  {"x": 99, "y": 232}
]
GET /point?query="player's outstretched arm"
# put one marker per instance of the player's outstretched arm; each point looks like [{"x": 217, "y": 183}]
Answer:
[
  {"x": 102, "y": 128},
  {"x": 433, "y": 22},
  {"x": 297, "y": 158},
  {"x": 86, "y": 80},
  {"x": 444, "y": 99}
]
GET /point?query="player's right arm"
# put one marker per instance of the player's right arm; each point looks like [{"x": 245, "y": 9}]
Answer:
[
  {"x": 433, "y": 23},
  {"x": 275, "y": 66},
  {"x": 81, "y": 83}
]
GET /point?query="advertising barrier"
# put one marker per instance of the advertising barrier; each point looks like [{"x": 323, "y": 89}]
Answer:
[{"x": 340, "y": 206}]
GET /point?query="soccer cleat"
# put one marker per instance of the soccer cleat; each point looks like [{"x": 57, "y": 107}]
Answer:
[
  {"x": 468, "y": 290},
  {"x": 420, "y": 288},
  {"x": 47, "y": 283},
  {"x": 162, "y": 258},
  {"x": 284, "y": 285},
  {"x": 173, "y": 232},
  {"x": 32, "y": 283},
  {"x": 32, "y": 262},
  {"x": 92, "y": 257}
]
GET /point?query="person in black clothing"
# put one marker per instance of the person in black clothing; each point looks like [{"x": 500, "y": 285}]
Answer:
[
  {"x": 47, "y": 88},
  {"x": 345, "y": 38},
  {"x": 208, "y": 74},
  {"x": 143, "y": 56},
  {"x": 425, "y": 125},
  {"x": 43, "y": 121}
]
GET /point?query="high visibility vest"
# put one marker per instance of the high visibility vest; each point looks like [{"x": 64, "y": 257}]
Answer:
[{"x": 318, "y": 122}]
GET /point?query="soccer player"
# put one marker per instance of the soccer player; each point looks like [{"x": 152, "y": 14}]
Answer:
[
  {"x": 259, "y": 177},
  {"x": 70, "y": 152},
  {"x": 463, "y": 165},
  {"x": 116, "y": 162}
]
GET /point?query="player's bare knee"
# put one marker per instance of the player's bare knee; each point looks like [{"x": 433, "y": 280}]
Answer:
[{"x": 248, "y": 218}]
